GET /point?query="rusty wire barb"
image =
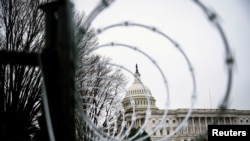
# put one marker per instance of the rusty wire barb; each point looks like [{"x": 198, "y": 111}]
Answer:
[{"x": 212, "y": 18}]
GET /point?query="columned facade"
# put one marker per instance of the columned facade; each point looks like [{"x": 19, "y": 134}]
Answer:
[{"x": 139, "y": 101}]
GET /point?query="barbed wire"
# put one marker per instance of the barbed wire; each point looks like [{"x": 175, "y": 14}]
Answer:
[
  {"x": 229, "y": 61},
  {"x": 98, "y": 132},
  {"x": 158, "y": 127}
]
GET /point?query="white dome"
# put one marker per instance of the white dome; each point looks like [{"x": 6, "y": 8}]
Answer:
[
  {"x": 138, "y": 88},
  {"x": 140, "y": 94}
]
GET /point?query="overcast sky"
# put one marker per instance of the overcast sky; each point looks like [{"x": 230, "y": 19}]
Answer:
[{"x": 186, "y": 23}]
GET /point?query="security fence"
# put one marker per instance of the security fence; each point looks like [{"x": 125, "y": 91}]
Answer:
[
  {"x": 61, "y": 102},
  {"x": 212, "y": 18}
]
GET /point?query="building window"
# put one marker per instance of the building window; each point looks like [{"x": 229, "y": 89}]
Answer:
[
  {"x": 166, "y": 121},
  {"x": 142, "y": 120},
  {"x": 153, "y": 121},
  {"x": 173, "y": 121}
]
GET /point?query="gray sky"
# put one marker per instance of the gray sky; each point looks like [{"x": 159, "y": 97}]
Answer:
[{"x": 186, "y": 23}]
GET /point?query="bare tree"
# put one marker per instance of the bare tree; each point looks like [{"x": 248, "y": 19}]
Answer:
[
  {"x": 100, "y": 88},
  {"x": 99, "y": 84},
  {"x": 21, "y": 29}
]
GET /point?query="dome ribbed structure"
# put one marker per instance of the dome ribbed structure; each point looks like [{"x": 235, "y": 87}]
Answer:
[{"x": 140, "y": 94}]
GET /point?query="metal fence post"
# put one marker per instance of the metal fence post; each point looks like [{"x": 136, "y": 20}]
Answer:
[{"x": 57, "y": 63}]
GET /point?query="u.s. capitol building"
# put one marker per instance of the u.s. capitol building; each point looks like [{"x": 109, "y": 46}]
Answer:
[{"x": 195, "y": 126}]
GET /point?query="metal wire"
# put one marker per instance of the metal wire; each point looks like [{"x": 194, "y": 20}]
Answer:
[{"x": 229, "y": 61}]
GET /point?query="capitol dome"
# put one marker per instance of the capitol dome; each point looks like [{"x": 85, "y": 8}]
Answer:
[
  {"x": 139, "y": 93},
  {"x": 139, "y": 89}
]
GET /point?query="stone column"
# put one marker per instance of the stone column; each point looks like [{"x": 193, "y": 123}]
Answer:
[
  {"x": 193, "y": 124},
  {"x": 199, "y": 123},
  {"x": 206, "y": 123}
]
